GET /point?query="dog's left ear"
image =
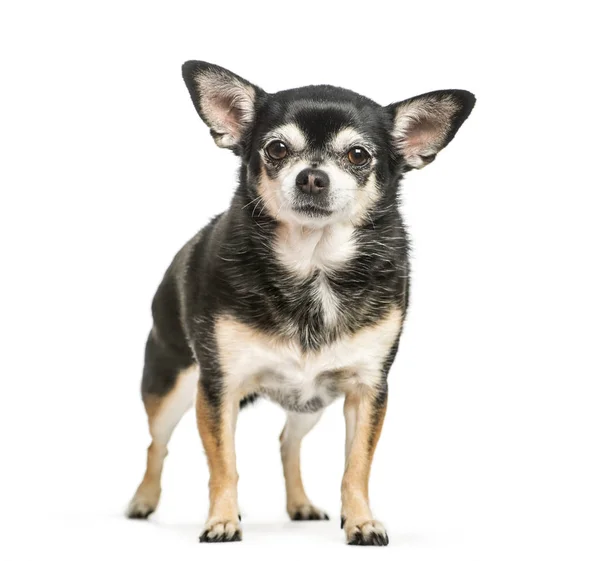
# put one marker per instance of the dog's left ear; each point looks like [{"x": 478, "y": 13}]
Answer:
[
  {"x": 425, "y": 124},
  {"x": 225, "y": 101}
]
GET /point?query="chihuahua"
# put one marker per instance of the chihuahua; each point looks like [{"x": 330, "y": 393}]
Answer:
[{"x": 298, "y": 292}]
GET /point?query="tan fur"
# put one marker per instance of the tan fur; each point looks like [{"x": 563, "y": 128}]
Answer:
[
  {"x": 269, "y": 201},
  {"x": 217, "y": 429},
  {"x": 366, "y": 199},
  {"x": 297, "y": 502},
  {"x": 364, "y": 420},
  {"x": 294, "y": 488},
  {"x": 164, "y": 413},
  {"x": 157, "y": 452},
  {"x": 253, "y": 360}
]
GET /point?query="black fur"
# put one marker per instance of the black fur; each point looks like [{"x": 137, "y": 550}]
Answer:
[
  {"x": 374, "y": 538},
  {"x": 220, "y": 538}
]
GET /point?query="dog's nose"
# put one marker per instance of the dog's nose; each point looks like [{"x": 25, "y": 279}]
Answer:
[{"x": 312, "y": 181}]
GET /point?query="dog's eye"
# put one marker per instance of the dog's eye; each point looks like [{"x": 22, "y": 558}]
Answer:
[
  {"x": 358, "y": 156},
  {"x": 276, "y": 150}
]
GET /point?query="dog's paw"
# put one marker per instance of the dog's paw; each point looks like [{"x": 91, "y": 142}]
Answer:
[
  {"x": 221, "y": 531},
  {"x": 144, "y": 502},
  {"x": 370, "y": 532},
  {"x": 307, "y": 512},
  {"x": 140, "y": 508}
]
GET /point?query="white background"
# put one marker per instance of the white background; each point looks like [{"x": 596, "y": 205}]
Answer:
[{"x": 490, "y": 448}]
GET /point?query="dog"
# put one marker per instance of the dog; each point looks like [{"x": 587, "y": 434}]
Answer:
[{"x": 298, "y": 292}]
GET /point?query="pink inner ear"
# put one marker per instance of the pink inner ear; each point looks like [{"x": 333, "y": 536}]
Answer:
[
  {"x": 422, "y": 137},
  {"x": 222, "y": 110},
  {"x": 422, "y": 126},
  {"x": 227, "y": 105}
]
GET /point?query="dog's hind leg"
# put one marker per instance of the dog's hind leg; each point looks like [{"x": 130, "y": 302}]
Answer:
[
  {"x": 168, "y": 391},
  {"x": 296, "y": 428}
]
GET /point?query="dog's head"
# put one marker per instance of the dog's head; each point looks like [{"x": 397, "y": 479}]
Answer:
[{"x": 321, "y": 154}]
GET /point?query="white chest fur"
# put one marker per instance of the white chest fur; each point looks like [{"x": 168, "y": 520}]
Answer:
[
  {"x": 304, "y": 251},
  {"x": 253, "y": 361}
]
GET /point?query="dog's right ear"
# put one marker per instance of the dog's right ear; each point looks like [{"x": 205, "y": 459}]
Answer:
[{"x": 226, "y": 102}]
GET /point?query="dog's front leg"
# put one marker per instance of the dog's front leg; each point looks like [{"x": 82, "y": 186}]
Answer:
[
  {"x": 216, "y": 413},
  {"x": 364, "y": 410}
]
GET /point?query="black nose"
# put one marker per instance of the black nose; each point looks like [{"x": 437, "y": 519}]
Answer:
[{"x": 312, "y": 181}]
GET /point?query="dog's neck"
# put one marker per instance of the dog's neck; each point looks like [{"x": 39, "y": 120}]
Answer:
[{"x": 302, "y": 250}]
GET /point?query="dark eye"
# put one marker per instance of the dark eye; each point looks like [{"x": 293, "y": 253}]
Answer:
[
  {"x": 276, "y": 150},
  {"x": 358, "y": 156}
]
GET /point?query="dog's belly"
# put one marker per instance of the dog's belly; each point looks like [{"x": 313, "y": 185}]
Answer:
[
  {"x": 302, "y": 390},
  {"x": 255, "y": 362}
]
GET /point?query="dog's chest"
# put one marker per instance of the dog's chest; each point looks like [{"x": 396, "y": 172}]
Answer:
[
  {"x": 255, "y": 362},
  {"x": 307, "y": 256}
]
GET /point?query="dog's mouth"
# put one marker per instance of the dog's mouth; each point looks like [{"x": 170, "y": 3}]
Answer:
[{"x": 312, "y": 210}]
